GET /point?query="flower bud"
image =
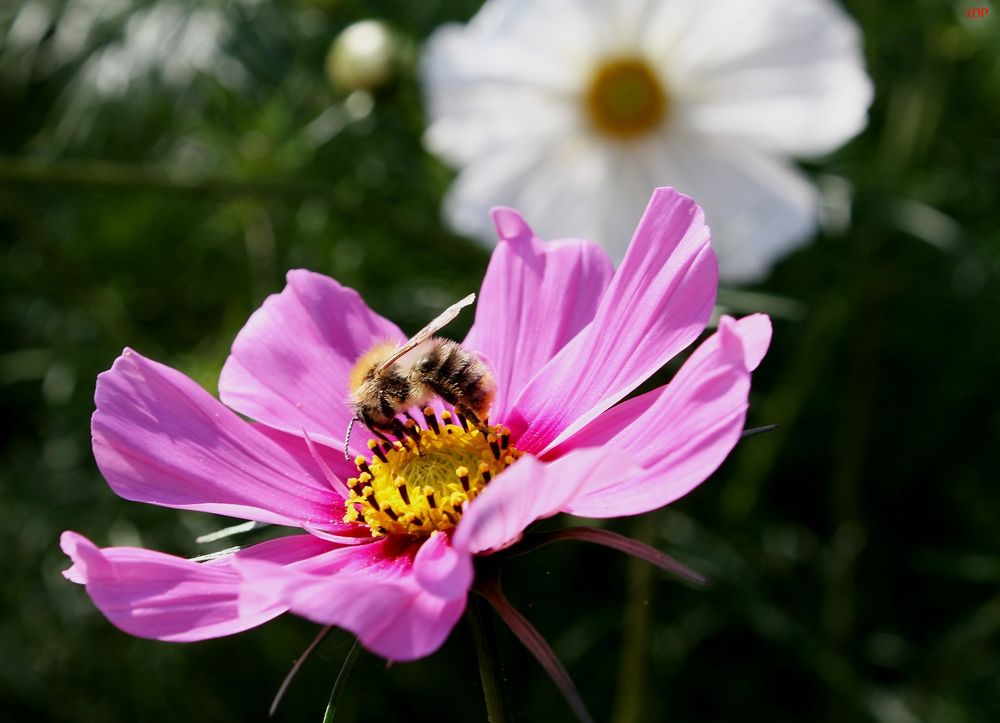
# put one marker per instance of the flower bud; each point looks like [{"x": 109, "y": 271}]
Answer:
[{"x": 363, "y": 57}]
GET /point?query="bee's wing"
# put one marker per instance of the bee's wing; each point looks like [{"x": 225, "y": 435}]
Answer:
[{"x": 426, "y": 333}]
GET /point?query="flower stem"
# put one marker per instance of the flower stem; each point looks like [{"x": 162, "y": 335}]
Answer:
[
  {"x": 488, "y": 586},
  {"x": 479, "y": 614},
  {"x": 634, "y": 662}
]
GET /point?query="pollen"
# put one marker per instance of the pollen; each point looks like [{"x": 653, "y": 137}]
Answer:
[
  {"x": 422, "y": 482},
  {"x": 625, "y": 99}
]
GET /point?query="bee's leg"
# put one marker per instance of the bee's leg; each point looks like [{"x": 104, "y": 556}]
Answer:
[
  {"x": 412, "y": 427},
  {"x": 398, "y": 429},
  {"x": 377, "y": 431},
  {"x": 403, "y": 433},
  {"x": 473, "y": 418},
  {"x": 452, "y": 395},
  {"x": 446, "y": 392},
  {"x": 410, "y": 418}
]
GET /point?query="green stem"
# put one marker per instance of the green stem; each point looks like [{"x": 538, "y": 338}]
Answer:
[
  {"x": 632, "y": 667},
  {"x": 478, "y": 614}
]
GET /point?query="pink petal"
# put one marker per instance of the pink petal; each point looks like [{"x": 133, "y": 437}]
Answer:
[
  {"x": 755, "y": 333},
  {"x": 531, "y": 490},
  {"x": 163, "y": 597},
  {"x": 679, "y": 433},
  {"x": 659, "y": 301},
  {"x": 441, "y": 569},
  {"x": 534, "y": 299},
  {"x": 290, "y": 363},
  {"x": 370, "y": 590},
  {"x": 160, "y": 438},
  {"x": 329, "y": 460}
]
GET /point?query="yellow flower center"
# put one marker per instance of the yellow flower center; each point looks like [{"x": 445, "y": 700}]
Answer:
[
  {"x": 625, "y": 98},
  {"x": 421, "y": 484}
]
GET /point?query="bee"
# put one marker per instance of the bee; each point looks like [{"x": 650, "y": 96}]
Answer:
[{"x": 388, "y": 379}]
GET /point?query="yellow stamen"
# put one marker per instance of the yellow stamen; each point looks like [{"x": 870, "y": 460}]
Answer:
[
  {"x": 421, "y": 485},
  {"x": 625, "y": 98}
]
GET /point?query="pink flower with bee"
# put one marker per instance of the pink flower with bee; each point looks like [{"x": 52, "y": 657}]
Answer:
[{"x": 388, "y": 537}]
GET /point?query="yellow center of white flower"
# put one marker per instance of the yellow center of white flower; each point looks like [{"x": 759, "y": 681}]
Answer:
[
  {"x": 421, "y": 484},
  {"x": 625, "y": 98}
]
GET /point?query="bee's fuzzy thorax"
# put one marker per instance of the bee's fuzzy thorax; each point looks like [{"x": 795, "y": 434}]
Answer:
[{"x": 367, "y": 361}]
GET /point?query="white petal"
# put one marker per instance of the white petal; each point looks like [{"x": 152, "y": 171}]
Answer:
[
  {"x": 578, "y": 187},
  {"x": 784, "y": 75},
  {"x": 758, "y": 208},
  {"x": 473, "y": 119},
  {"x": 508, "y": 43},
  {"x": 570, "y": 29}
]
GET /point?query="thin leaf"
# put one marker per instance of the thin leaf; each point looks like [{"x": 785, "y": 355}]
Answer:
[
  {"x": 489, "y": 587},
  {"x": 617, "y": 542},
  {"x": 753, "y": 431},
  {"x": 338, "y": 685}
]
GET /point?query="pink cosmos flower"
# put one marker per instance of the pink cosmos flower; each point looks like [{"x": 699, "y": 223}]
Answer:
[{"x": 387, "y": 542}]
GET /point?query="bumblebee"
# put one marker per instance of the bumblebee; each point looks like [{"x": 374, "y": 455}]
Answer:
[{"x": 388, "y": 379}]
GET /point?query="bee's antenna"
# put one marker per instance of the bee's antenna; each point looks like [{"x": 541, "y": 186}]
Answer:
[{"x": 347, "y": 439}]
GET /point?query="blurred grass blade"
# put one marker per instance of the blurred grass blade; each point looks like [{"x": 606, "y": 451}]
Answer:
[
  {"x": 738, "y": 301},
  {"x": 217, "y": 554},
  {"x": 295, "y": 669},
  {"x": 338, "y": 686},
  {"x": 229, "y": 531},
  {"x": 926, "y": 223}
]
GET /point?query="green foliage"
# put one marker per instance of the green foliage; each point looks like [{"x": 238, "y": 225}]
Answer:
[{"x": 155, "y": 200}]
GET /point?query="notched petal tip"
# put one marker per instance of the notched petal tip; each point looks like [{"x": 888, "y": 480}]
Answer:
[
  {"x": 757, "y": 332},
  {"x": 666, "y": 191},
  {"x": 127, "y": 355},
  {"x": 293, "y": 276},
  {"x": 729, "y": 335},
  {"x": 670, "y": 195},
  {"x": 69, "y": 541},
  {"x": 86, "y": 556},
  {"x": 293, "y": 273},
  {"x": 667, "y": 203},
  {"x": 510, "y": 225},
  {"x": 748, "y": 338}
]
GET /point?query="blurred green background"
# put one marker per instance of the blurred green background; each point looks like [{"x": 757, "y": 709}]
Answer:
[{"x": 155, "y": 201}]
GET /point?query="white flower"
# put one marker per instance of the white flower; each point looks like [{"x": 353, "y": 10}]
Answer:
[{"x": 571, "y": 110}]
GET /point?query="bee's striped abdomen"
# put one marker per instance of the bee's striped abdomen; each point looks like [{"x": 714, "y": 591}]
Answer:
[{"x": 458, "y": 376}]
